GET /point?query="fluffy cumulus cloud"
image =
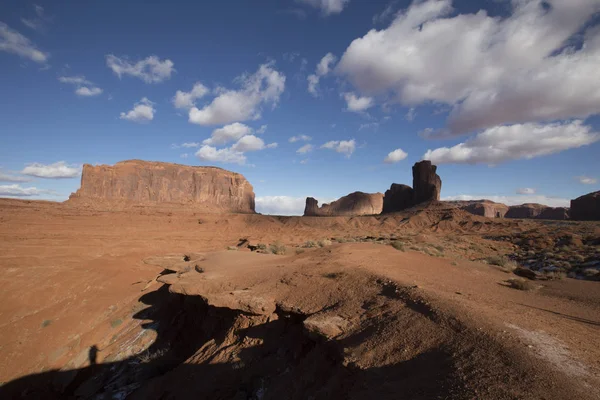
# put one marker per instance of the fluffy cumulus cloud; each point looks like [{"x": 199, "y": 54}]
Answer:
[
  {"x": 19, "y": 191},
  {"x": 357, "y": 103},
  {"x": 303, "y": 138},
  {"x": 84, "y": 88},
  {"x": 228, "y": 133},
  {"x": 327, "y": 7},
  {"x": 187, "y": 100},
  {"x": 537, "y": 64},
  {"x": 12, "y": 41},
  {"x": 395, "y": 156},
  {"x": 323, "y": 68},
  {"x": 522, "y": 141},
  {"x": 525, "y": 191},
  {"x": 586, "y": 180},
  {"x": 151, "y": 69},
  {"x": 514, "y": 200},
  {"x": 345, "y": 147},
  {"x": 142, "y": 112},
  {"x": 305, "y": 149},
  {"x": 58, "y": 170},
  {"x": 245, "y": 142},
  {"x": 265, "y": 86}
]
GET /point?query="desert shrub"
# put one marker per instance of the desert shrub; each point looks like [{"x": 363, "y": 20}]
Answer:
[
  {"x": 454, "y": 263},
  {"x": 509, "y": 266},
  {"x": 333, "y": 275},
  {"x": 147, "y": 356},
  {"x": 520, "y": 284},
  {"x": 398, "y": 245},
  {"x": 591, "y": 272},
  {"x": 186, "y": 258},
  {"x": 233, "y": 248},
  {"x": 116, "y": 322},
  {"x": 439, "y": 248},
  {"x": 261, "y": 246},
  {"x": 340, "y": 240},
  {"x": 199, "y": 269},
  {"x": 324, "y": 243},
  {"x": 46, "y": 322},
  {"x": 500, "y": 261},
  {"x": 277, "y": 248},
  {"x": 555, "y": 275},
  {"x": 300, "y": 251},
  {"x": 309, "y": 244}
]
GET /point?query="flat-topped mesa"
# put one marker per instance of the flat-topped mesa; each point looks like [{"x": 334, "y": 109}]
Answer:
[
  {"x": 147, "y": 182},
  {"x": 485, "y": 208},
  {"x": 586, "y": 207},
  {"x": 537, "y": 211},
  {"x": 357, "y": 203},
  {"x": 426, "y": 183}
]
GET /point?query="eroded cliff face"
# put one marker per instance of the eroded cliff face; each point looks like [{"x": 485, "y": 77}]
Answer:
[
  {"x": 147, "y": 182},
  {"x": 586, "y": 208},
  {"x": 357, "y": 203},
  {"x": 427, "y": 184}
]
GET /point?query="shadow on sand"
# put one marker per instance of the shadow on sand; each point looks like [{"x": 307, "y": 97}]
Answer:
[{"x": 195, "y": 356}]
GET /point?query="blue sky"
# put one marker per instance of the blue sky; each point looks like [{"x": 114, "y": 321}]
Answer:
[{"x": 501, "y": 95}]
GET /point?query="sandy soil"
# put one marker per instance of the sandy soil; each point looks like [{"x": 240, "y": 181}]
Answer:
[{"x": 348, "y": 320}]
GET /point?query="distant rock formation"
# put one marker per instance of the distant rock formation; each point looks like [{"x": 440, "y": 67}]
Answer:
[
  {"x": 426, "y": 183},
  {"x": 146, "y": 182},
  {"x": 397, "y": 198},
  {"x": 357, "y": 203},
  {"x": 486, "y": 208},
  {"x": 537, "y": 211},
  {"x": 586, "y": 207}
]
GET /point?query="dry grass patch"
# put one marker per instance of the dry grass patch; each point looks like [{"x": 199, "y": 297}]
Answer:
[
  {"x": 398, "y": 245},
  {"x": 520, "y": 284},
  {"x": 277, "y": 248}
]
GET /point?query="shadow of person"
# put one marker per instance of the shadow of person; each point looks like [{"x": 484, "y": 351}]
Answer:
[{"x": 93, "y": 354}]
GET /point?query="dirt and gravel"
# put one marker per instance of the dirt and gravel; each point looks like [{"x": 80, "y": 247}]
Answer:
[{"x": 166, "y": 303}]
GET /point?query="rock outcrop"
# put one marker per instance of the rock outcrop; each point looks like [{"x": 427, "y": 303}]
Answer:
[
  {"x": 537, "y": 211},
  {"x": 397, "y": 198},
  {"x": 486, "y": 208},
  {"x": 357, "y": 203},
  {"x": 427, "y": 185},
  {"x": 586, "y": 207},
  {"x": 145, "y": 182}
]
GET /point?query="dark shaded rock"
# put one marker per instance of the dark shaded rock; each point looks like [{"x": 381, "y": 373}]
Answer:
[
  {"x": 529, "y": 210},
  {"x": 526, "y": 273},
  {"x": 397, "y": 198},
  {"x": 427, "y": 185},
  {"x": 586, "y": 208},
  {"x": 311, "y": 209},
  {"x": 554, "y": 213}
]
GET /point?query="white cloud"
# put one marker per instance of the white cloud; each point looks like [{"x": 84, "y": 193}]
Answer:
[
  {"x": 228, "y": 133},
  {"x": 226, "y": 155},
  {"x": 298, "y": 138},
  {"x": 395, "y": 156},
  {"x": 493, "y": 71},
  {"x": 526, "y": 191},
  {"x": 12, "y": 41},
  {"x": 514, "y": 200},
  {"x": 248, "y": 143},
  {"x": 411, "y": 114},
  {"x": 358, "y": 104},
  {"x": 327, "y": 7},
  {"x": 39, "y": 22},
  {"x": 280, "y": 205},
  {"x": 385, "y": 15},
  {"x": 142, "y": 112},
  {"x": 524, "y": 141},
  {"x": 190, "y": 144},
  {"x": 586, "y": 180},
  {"x": 12, "y": 178},
  {"x": 323, "y": 68},
  {"x": 263, "y": 87},
  {"x": 305, "y": 149},
  {"x": 85, "y": 88},
  {"x": 186, "y": 100},
  {"x": 85, "y": 91},
  {"x": 19, "y": 191},
  {"x": 262, "y": 129},
  {"x": 58, "y": 170},
  {"x": 346, "y": 147},
  {"x": 151, "y": 69}
]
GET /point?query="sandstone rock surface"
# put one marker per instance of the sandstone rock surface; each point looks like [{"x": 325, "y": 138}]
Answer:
[
  {"x": 555, "y": 213},
  {"x": 357, "y": 203},
  {"x": 146, "y": 182},
  {"x": 397, "y": 198},
  {"x": 486, "y": 208},
  {"x": 427, "y": 185},
  {"x": 528, "y": 210},
  {"x": 586, "y": 207}
]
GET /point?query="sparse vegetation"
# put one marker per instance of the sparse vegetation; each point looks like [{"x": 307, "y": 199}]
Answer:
[
  {"x": 186, "y": 258},
  {"x": 398, "y": 245},
  {"x": 324, "y": 243},
  {"x": 199, "y": 269},
  {"x": 46, "y": 322},
  {"x": 520, "y": 284},
  {"x": 147, "y": 356},
  {"x": 261, "y": 246},
  {"x": 334, "y": 275},
  {"x": 309, "y": 244},
  {"x": 277, "y": 248},
  {"x": 116, "y": 322},
  {"x": 232, "y": 248},
  {"x": 500, "y": 261},
  {"x": 300, "y": 251}
]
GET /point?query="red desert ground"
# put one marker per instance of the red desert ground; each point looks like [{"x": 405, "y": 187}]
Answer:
[{"x": 159, "y": 281}]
